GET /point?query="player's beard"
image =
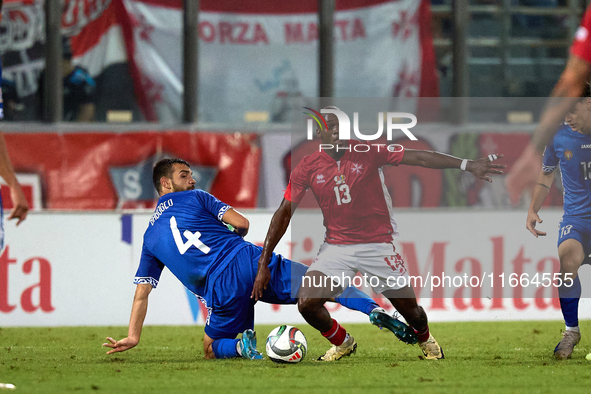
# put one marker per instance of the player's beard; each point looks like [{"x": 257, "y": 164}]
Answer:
[{"x": 178, "y": 188}]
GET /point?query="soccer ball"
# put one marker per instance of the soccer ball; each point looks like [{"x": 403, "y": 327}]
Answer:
[{"x": 286, "y": 344}]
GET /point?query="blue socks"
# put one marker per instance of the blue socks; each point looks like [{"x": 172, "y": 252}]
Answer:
[
  {"x": 355, "y": 299},
  {"x": 225, "y": 348},
  {"x": 569, "y": 302}
]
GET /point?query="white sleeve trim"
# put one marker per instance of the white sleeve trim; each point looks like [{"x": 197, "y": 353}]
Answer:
[
  {"x": 222, "y": 211},
  {"x": 548, "y": 168},
  {"x": 145, "y": 281}
]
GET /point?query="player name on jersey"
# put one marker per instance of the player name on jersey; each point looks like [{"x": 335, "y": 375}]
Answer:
[{"x": 163, "y": 206}]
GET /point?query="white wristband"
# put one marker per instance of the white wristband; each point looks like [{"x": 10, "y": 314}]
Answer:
[{"x": 463, "y": 165}]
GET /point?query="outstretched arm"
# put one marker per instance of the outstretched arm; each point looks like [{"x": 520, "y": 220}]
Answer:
[
  {"x": 277, "y": 228},
  {"x": 567, "y": 91},
  {"x": 565, "y": 94},
  {"x": 136, "y": 321},
  {"x": 21, "y": 206},
  {"x": 479, "y": 168},
  {"x": 541, "y": 190}
]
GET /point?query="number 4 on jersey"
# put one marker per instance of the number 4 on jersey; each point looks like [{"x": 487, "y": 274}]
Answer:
[{"x": 192, "y": 239}]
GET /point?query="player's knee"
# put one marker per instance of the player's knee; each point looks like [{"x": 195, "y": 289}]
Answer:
[
  {"x": 303, "y": 305},
  {"x": 571, "y": 256},
  {"x": 570, "y": 263}
]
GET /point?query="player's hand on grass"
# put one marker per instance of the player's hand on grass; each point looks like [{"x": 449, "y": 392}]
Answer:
[
  {"x": 120, "y": 346},
  {"x": 532, "y": 219},
  {"x": 261, "y": 281},
  {"x": 482, "y": 167}
]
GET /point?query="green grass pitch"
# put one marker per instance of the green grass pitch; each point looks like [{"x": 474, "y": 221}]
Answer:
[{"x": 491, "y": 357}]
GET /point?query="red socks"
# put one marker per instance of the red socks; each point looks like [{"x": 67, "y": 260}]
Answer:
[
  {"x": 422, "y": 336},
  {"x": 336, "y": 335}
]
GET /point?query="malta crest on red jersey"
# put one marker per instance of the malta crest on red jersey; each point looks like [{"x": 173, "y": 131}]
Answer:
[{"x": 340, "y": 179}]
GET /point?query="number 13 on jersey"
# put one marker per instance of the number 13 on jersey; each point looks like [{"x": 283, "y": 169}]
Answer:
[{"x": 342, "y": 194}]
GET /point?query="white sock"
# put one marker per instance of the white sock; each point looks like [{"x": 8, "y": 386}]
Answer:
[
  {"x": 346, "y": 338},
  {"x": 573, "y": 329}
]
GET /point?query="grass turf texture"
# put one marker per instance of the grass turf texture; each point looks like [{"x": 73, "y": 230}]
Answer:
[{"x": 497, "y": 357}]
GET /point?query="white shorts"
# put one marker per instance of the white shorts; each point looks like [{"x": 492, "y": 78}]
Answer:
[{"x": 381, "y": 267}]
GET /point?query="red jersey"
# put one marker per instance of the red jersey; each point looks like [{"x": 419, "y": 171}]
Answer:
[
  {"x": 581, "y": 46},
  {"x": 351, "y": 193}
]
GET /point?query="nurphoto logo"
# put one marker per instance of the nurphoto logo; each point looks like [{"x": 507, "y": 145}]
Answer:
[{"x": 345, "y": 124}]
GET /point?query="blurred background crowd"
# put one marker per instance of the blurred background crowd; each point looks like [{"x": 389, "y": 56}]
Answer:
[{"x": 124, "y": 68}]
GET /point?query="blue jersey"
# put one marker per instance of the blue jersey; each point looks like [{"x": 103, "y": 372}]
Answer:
[
  {"x": 187, "y": 235},
  {"x": 572, "y": 150}
]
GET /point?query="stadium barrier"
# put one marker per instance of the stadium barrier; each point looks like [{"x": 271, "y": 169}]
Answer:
[{"x": 73, "y": 269}]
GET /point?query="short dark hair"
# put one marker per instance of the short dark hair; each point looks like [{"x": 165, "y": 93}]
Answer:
[
  {"x": 587, "y": 91},
  {"x": 164, "y": 168}
]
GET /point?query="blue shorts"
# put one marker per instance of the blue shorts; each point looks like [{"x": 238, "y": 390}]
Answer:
[
  {"x": 232, "y": 309},
  {"x": 574, "y": 227}
]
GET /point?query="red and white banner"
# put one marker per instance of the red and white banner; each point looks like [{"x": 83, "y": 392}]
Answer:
[
  {"x": 96, "y": 33},
  {"x": 95, "y": 30},
  {"x": 63, "y": 280},
  {"x": 254, "y": 56},
  {"x": 93, "y": 171}
]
